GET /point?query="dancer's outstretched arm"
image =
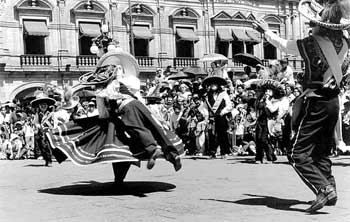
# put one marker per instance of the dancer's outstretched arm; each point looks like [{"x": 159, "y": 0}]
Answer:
[{"x": 288, "y": 46}]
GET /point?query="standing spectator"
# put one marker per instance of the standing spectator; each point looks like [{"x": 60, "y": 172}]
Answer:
[
  {"x": 44, "y": 121},
  {"x": 28, "y": 130},
  {"x": 286, "y": 73},
  {"x": 2, "y": 115},
  {"x": 175, "y": 117},
  {"x": 92, "y": 110},
  {"x": 249, "y": 73},
  {"x": 263, "y": 143},
  {"x": 219, "y": 107},
  {"x": 274, "y": 69},
  {"x": 240, "y": 119},
  {"x": 200, "y": 134},
  {"x": 261, "y": 72},
  {"x": 9, "y": 115},
  {"x": 85, "y": 105}
]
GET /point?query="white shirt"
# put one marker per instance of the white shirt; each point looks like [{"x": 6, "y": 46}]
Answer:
[{"x": 2, "y": 118}]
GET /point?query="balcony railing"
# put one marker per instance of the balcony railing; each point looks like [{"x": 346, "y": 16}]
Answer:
[
  {"x": 86, "y": 60},
  {"x": 35, "y": 60},
  {"x": 145, "y": 61},
  {"x": 185, "y": 62},
  {"x": 237, "y": 64}
]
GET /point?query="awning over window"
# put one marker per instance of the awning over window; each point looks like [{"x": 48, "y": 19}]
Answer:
[
  {"x": 90, "y": 29},
  {"x": 36, "y": 28},
  {"x": 254, "y": 35},
  {"x": 241, "y": 35},
  {"x": 142, "y": 32},
  {"x": 225, "y": 35},
  {"x": 186, "y": 34}
]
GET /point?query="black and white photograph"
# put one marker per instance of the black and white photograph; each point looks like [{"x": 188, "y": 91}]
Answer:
[{"x": 174, "y": 110}]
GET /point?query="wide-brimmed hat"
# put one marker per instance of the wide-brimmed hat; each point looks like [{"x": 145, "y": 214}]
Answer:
[
  {"x": 107, "y": 68},
  {"x": 71, "y": 103},
  {"x": 311, "y": 9},
  {"x": 214, "y": 79},
  {"x": 125, "y": 59},
  {"x": 102, "y": 75},
  {"x": 9, "y": 104},
  {"x": 275, "y": 86},
  {"x": 42, "y": 97}
]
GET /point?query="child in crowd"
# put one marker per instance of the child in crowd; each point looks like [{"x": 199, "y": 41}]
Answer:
[
  {"x": 240, "y": 119},
  {"x": 28, "y": 129},
  {"x": 200, "y": 134}
]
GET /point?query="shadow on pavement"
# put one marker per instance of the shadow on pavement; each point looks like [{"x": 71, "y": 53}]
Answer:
[
  {"x": 94, "y": 188},
  {"x": 252, "y": 161},
  {"x": 340, "y": 164},
  {"x": 35, "y": 165},
  {"x": 270, "y": 202}
]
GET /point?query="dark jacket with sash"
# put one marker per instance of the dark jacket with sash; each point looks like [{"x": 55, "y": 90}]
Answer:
[
  {"x": 318, "y": 70},
  {"x": 215, "y": 107},
  {"x": 316, "y": 65}
]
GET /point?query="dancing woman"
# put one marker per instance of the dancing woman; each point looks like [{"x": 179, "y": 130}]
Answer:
[{"x": 125, "y": 130}]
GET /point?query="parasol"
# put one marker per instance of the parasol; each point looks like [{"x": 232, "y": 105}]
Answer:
[
  {"x": 181, "y": 75},
  {"x": 84, "y": 94},
  {"x": 247, "y": 59},
  {"x": 213, "y": 57},
  {"x": 195, "y": 70},
  {"x": 251, "y": 83}
]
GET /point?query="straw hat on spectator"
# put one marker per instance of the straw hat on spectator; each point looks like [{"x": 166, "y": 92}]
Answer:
[{"x": 42, "y": 97}]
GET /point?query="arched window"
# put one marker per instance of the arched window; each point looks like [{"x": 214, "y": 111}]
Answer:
[
  {"x": 142, "y": 23},
  {"x": 88, "y": 16},
  {"x": 34, "y": 16},
  {"x": 184, "y": 22}
]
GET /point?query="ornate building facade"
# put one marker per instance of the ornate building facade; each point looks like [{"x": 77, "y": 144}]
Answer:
[{"x": 49, "y": 40}]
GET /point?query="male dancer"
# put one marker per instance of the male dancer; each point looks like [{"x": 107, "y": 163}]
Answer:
[{"x": 324, "y": 53}]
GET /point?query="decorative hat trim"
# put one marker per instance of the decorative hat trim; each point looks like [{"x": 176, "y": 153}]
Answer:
[{"x": 310, "y": 9}]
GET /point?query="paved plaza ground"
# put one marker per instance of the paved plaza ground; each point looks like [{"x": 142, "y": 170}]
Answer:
[{"x": 204, "y": 190}]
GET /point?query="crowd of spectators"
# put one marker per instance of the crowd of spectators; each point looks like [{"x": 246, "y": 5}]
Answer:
[{"x": 179, "y": 106}]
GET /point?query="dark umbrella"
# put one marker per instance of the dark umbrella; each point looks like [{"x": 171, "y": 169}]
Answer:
[
  {"x": 247, "y": 59},
  {"x": 195, "y": 70},
  {"x": 84, "y": 93},
  {"x": 181, "y": 75}
]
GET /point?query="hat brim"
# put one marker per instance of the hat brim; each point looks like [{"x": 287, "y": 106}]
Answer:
[
  {"x": 214, "y": 79},
  {"x": 102, "y": 75},
  {"x": 152, "y": 97},
  {"x": 275, "y": 86},
  {"x": 73, "y": 102},
  {"x": 48, "y": 101},
  {"x": 12, "y": 105},
  {"x": 310, "y": 9},
  {"x": 129, "y": 63}
]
